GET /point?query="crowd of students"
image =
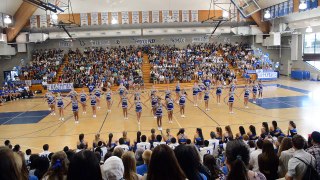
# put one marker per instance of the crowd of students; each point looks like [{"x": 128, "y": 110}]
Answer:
[
  {"x": 9, "y": 93},
  {"x": 271, "y": 155}
]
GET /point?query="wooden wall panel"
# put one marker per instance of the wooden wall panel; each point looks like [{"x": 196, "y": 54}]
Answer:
[{"x": 296, "y": 5}]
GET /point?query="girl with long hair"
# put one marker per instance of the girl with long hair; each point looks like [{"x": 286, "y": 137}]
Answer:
[
  {"x": 219, "y": 91},
  {"x": 58, "y": 167},
  {"x": 178, "y": 89},
  {"x": 83, "y": 101},
  {"x": 195, "y": 91},
  {"x": 246, "y": 95},
  {"x": 124, "y": 104},
  {"x": 198, "y": 137},
  {"x": 109, "y": 99},
  {"x": 159, "y": 113},
  {"x": 75, "y": 108},
  {"x": 170, "y": 107},
  {"x": 129, "y": 163},
  {"x": 93, "y": 102},
  {"x": 60, "y": 105},
  {"x": 182, "y": 138}
]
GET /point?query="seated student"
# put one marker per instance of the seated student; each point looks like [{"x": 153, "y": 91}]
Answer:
[
  {"x": 102, "y": 147},
  {"x": 252, "y": 133},
  {"x": 143, "y": 169},
  {"x": 182, "y": 138},
  {"x": 122, "y": 145},
  {"x": 292, "y": 129},
  {"x": 214, "y": 143},
  {"x": 152, "y": 137},
  {"x": 143, "y": 144},
  {"x": 45, "y": 152},
  {"x": 158, "y": 142},
  {"x": 206, "y": 149},
  {"x": 173, "y": 143},
  {"x": 275, "y": 130},
  {"x": 125, "y": 138}
]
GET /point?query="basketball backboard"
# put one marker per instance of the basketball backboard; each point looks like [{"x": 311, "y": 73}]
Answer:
[{"x": 246, "y": 7}]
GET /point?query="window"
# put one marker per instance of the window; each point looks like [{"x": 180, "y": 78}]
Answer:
[
  {"x": 317, "y": 43},
  {"x": 309, "y": 43}
]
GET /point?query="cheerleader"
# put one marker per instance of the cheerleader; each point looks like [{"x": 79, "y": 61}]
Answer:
[
  {"x": 122, "y": 90},
  {"x": 51, "y": 103},
  {"x": 202, "y": 88},
  {"x": 109, "y": 99},
  {"x": 153, "y": 91},
  {"x": 195, "y": 91},
  {"x": 72, "y": 93},
  {"x": 219, "y": 91},
  {"x": 254, "y": 92},
  {"x": 182, "y": 102},
  {"x": 159, "y": 112},
  {"x": 124, "y": 103},
  {"x": 93, "y": 102},
  {"x": 60, "y": 106},
  {"x": 138, "y": 108},
  {"x": 75, "y": 109},
  {"x": 83, "y": 101},
  {"x": 246, "y": 92},
  {"x": 154, "y": 101},
  {"x": 233, "y": 86},
  {"x": 231, "y": 101},
  {"x": 97, "y": 93},
  {"x": 206, "y": 98},
  {"x": 170, "y": 107},
  {"x": 167, "y": 93},
  {"x": 91, "y": 87},
  {"x": 260, "y": 89},
  {"x": 178, "y": 89}
]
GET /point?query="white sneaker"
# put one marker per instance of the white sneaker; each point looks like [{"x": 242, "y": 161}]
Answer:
[
  {"x": 54, "y": 113},
  {"x": 160, "y": 128},
  {"x": 254, "y": 102},
  {"x": 247, "y": 107},
  {"x": 94, "y": 116},
  {"x": 155, "y": 117},
  {"x": 85, "y": 112},
  {"x": 139, "y": 123},
  {"x": 62, "y": 119},
  {"x": 77, "y": 122},
  {"x": 183, "y": 116}
]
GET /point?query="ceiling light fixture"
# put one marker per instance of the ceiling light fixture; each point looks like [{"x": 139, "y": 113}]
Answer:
[
  {"x": 267, "y": 14},
  {"x": 225, "y": 14},
  {"x": 54, "y": 16},
  {"x": 7, "y": 20},
  {"x": 309, "y": 29},
  {"x": 303, "y": 5}
]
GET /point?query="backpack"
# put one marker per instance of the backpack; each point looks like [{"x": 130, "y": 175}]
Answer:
[{"x": 311, "y": 173}]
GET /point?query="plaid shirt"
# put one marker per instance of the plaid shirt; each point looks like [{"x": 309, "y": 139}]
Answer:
[{"x": 315, "y": 152}]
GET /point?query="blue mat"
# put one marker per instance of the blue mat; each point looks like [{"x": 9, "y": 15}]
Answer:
[{"x": 28, "y": 117}]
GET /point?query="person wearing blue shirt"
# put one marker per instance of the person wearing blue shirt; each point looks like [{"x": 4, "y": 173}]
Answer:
[{"x": 143, "y": 169}]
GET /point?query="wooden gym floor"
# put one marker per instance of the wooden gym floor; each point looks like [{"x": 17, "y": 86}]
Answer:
[{"x": 28, "y": 123}]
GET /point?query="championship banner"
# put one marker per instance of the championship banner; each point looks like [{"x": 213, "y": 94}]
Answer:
[
  {"x": 200, "y": 39},
  {"x": 1, "y": 20},
  {"x": 177, "y": 40},
  {"x": 33, "y": 22},
  {"x": 145, "y": 41},
  {"x": 65, "y": 44},
  {"x": 94, "y": 19},
  {"x": 135, "y": 17},
  {"x": 60, "y": 87},
  {"x": 125, "y": 17},
  {"x": 185, "y": 16},
  {"x": 104, "y": 18},
  {"x": 175, "y": 16},
  {"x": 145, "y": 17},
  {"x": 100, "y": 42},
  {"x": 114, "y": 15},
  {"x": 194, "y": 15},
  {"x": 165, "y": 16},
  {"x": 43, "y": 21},
  {"x": 155, "y": 16},
  {"x": 83, "y": 19},
  {"x": 267, "y": 76}
]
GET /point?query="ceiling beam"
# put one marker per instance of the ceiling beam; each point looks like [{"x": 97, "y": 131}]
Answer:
[
  {"x": 263, "y": 25},
  {"x": 21, "y": 17}
]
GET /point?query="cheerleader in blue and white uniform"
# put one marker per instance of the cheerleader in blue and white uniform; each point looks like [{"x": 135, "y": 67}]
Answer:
[
  {"x": 97, "y": 93},
  {"x": 246, "y": 95},
  {"x": 124, "y": 104},
  {"x": 91, "y": 87},
  {"x": 60, "y": 105},
  {"x": 51, "y": 103},
  {"x": 72, "y": 93},
  {"x": 170, "y": 107},
  {"x": 122, "y": 90},
  {"x": 254, "y": 91},
  {"x": 219, "y": 91},
  {"x": 154, "y": 101},
  {"x": 159, "y": 113},
  {"x": 83, "y": 101},
  {"x": 260, "y": 89},
  {"x": 182, "y": 102},
  {"x": 75, "y": 109},
  {"x": 93, "y": 103},
  {"x": 233, "y": 86},
  {"x": 138, "y": 108},
  {"x": 109, "y": 99},
  {"x": 202, "y": 88},
  {"x": 178, "y": 89},
  {"x": 167, "y": 93},
  {"x": 207, "y": 97},
  {"x": 195, "y": 91},
  {"x": 231, "y": 100}
]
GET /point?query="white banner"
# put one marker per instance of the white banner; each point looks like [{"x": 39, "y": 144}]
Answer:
[
  {"x": 175, "y": 16},
  {"x": 100, "y": 42},
  {"x": 203, "y": 39},
  {"x": 60, "y": 87},
  {"x": 125, "y": 17},
  {"x": 33, "y": 22},
  {"x": 104, "y": 18},
  {"x": 145, "y": 41},
  {"x": 267, "y": 75},
  {"x": 185, "y": 16},
  {"x": 94, "y": 19},
  {"x": 43, "y": 21},
  {"x": 194, "y": 15},
  {"x": 177, "y": 40},
  {"x": 65, "y": 44},
  {"x": 114, "y": 15},
  {"x": 155, "y": 16},
  {"x": 135, "y": 17},
  {"x": 165, "y": 16},
  {"x": 83, "y": 19},
  {"x": 145, "y": 17}
]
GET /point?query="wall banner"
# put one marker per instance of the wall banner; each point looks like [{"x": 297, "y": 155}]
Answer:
[
  {"x": 194, "y": 15},
  {"x": 100, "y": 42},
  {"x": 145, "y": 17},
  {"x": 185, "y": 16},
  {"x": 94, "y": 19},
  {"x": 115, "y": 16},
  {"x": 265, "y": 76},
  {"x": 104, "y": 18},
  {"x": 202, "y": 39},
  {"x": 65, "y": 44},
  {"x": 175, "y": 16},
  {"x": 60, "y": 87},
  {"x": 177, "y": 40},
  {"x": 135, "y": 17},
  {"x": 165, "y": 16},
  {"x": 33, "y": 22},
  {"x": 145, "y": 41},
  {"x": 125, "y": 17},
  {"x": 155, "y": 16},
  {"x": 83, "y": 19},
  {"x": 43, "y": 21}
]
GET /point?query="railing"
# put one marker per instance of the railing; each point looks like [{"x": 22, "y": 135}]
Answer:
[{"x": 314, "y": 64}]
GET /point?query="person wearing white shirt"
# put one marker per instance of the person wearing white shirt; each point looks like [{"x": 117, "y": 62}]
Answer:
[
  {"x": 173, "y": 143},
  {"x": 103, "y": 148},
  {"x": 45, "y": 152},
  {"x": 122, "y": 145},
  {"x": 143, "y": 144},
  {"x": 253, "y": 163},
  {"x": 206, "y": 150},
  {"x": 214, "y": 143},
  {"x": 158, "y": 142}
]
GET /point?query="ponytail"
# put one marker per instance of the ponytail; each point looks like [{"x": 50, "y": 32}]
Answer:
[{"x": 238, "y": 170}]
